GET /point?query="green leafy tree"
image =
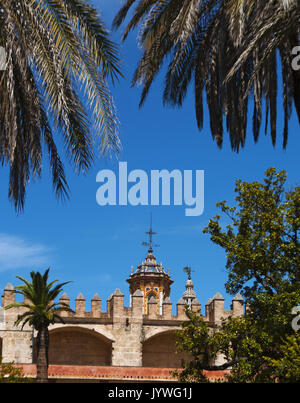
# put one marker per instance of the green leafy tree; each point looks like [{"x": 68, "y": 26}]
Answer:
[
  {"x": 10, "y": 374},
  {"x": 195, "y": 337},
  {"x": 263, "y": 263},
  {"x": 288, "y": 365},
  {"x": 54, "y": 90},
  {"x": 262, "y": 239},
  {"x": 228, "y": 49},
  {"x": 40, "y": 312}
]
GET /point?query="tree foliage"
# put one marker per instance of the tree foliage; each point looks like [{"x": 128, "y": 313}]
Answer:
[
  {"x": 229, "y": 50},
  {"x": 195, "y": 338},
  {"x": 288, "y": 365},
  {"x": 11, "y": 374},
  {"x": 263, "y": 264},
  {"x": 262, "y": 239},
  {"x": 54, "y": 90},
  {"x": 40, "y": 311}
]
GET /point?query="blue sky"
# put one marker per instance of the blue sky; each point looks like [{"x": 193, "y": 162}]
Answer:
[{"x": 95, "y": 246}]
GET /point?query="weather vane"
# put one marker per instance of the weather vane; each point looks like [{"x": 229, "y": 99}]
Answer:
[
  {"x": 188, "y": 271},
  {"x": 150, "y": 233}
]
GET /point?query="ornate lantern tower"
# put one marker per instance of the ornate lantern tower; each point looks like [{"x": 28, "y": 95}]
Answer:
[
  {"x": 189, "y": 295},
  {"x": 150, "y": 278}
]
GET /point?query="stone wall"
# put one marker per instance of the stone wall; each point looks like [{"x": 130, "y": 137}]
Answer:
[{"x": 119, "y": 336}]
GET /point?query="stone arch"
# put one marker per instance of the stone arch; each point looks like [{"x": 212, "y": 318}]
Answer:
[
  {"x": 101, "y": 332},
  {"x": 150, "y": 295},
  {"x": 75, "y": 345},
  {"x": 150, "y": 332},
  {"x": 159, "y": 351}
]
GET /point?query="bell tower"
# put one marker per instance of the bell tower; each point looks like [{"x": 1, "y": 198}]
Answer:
[
  {"x": 150, "y": 277},
  {"x": 189, "y": 295}
]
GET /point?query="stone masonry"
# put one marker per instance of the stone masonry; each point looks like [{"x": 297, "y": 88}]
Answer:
[{"x": 121, "y": 335}]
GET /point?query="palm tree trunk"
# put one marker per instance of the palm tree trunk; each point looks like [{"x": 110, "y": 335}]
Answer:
[{"x": 42, "y": 355}]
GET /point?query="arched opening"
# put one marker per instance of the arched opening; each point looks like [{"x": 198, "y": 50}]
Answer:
[
  {"x": 0, "y": 349},
  {"x": 78, "y": 346},
  {"x": 159, "y": 351}
]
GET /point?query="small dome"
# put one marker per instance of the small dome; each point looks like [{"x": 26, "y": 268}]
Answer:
[
  {"x": 149, "y": 265},
  {"x": 189, "y": 292},
  {"x": 189, "y": 283}
]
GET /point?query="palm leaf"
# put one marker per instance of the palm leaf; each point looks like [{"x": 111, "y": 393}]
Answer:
[
  {"x": 230, "y": 50},
  {"x": 56, "y": 50}
]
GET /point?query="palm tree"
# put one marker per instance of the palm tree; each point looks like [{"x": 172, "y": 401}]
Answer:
[
  {"x": 40, "y": 312},
  {"x": 260, "y": 29},
  {"x": 229, "y": 49},
  {"x": 54, "y": 89}
]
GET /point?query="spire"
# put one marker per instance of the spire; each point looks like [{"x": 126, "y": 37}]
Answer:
[
  {"x": 150, "y": 277},
  {"x": 150, "y": 265},
  {"x": 189, "y": 295}
]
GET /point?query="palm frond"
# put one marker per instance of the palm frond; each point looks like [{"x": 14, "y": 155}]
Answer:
[
  {"x": 55, "y": 51},
  {"x": 229, "y": 49},
  {"x": 41, "y": 311}
]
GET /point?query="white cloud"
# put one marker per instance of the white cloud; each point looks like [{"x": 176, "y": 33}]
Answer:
[{"x": 16, "y": 253}]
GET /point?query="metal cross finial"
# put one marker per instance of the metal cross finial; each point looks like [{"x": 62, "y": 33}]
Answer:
[
  {"x": 150, "y": 233},
  {"x": 188, "y": 271}
]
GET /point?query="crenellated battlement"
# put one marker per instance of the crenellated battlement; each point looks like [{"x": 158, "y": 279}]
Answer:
[
  {"x": 121, "y": 335},
  {"x": 142, "y": 334},
  {"x": 116, "y": 311}
]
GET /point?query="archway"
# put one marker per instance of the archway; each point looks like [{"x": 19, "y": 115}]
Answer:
[
  {"x": 159, "y": 351},
  {"x": 78, "y": 346}
]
